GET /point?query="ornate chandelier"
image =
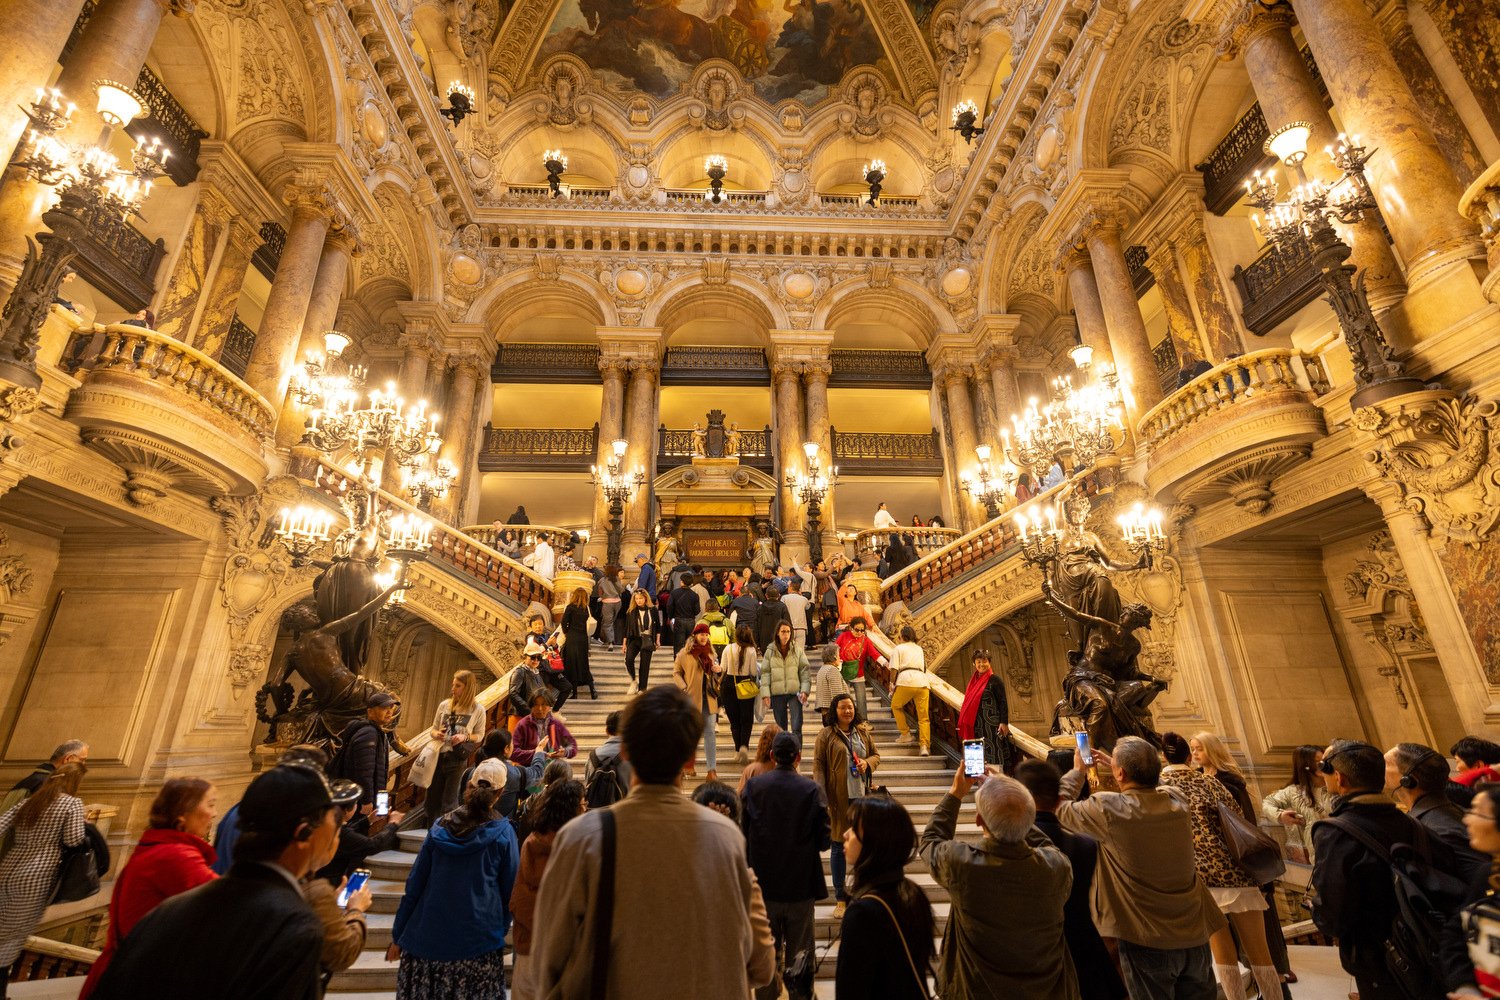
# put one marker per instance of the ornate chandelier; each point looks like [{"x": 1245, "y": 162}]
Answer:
[
  {"x": 328, "y": 381},
  {"x": 428, "y": 482},
  {"x": 386, "y": 425},
  {"x": 1075, "y": 427}
]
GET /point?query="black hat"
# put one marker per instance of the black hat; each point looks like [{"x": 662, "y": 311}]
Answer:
[
  {"x": 381, "y": 699},
  {"x": 279, "y": 798},
  {"x": 784, "y": 748}
]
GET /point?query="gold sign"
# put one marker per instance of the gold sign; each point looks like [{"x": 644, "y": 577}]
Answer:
[{"x": 716, "y": 548}]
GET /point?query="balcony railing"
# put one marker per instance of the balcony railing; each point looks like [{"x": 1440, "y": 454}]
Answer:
[
  {"x": 119, "y": 260},
  {"x": 1275, "y": 285},
  {"x": 267, "y": 256},
  {"x": 551, "y": 363},
  {"x": 239, "y": 344},
  {"x": 522, "y": 449},
  {"x": 1246, "y": 377},
  {"x": 519, "y": 540},
  {"x": 858, "y": 452},
  {"x": 879, "y": 369},
  {"x": 924, "y": 540},
  {"x": 675, "y": 447},
  {"x": 715, "y": 366}
]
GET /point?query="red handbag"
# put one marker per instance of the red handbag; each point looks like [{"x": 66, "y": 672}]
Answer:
[{"x": 555, "y": 663}]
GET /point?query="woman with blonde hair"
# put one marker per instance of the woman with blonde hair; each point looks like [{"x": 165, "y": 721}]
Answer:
[
  {"x": 1212, "y": 757},
  {"x": 48, "y": 821},
  {"x": 458, "y": 728},
  {"x": 575, "y": 652}
]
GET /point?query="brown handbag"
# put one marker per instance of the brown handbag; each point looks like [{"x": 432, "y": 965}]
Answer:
[{"x": 1250, "y": 847}]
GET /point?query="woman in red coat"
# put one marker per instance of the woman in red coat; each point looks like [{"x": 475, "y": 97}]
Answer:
[{"x": 173, "y": 856}]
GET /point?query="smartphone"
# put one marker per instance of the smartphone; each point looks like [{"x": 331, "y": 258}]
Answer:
[
  {"x": 382, "y": 803},
  {"x": 356, "y": 882},
  {"x": 974, "y": 758},
  {"x": 1084, "y": 750}
]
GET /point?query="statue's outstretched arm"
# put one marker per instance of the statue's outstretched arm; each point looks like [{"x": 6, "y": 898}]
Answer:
[
  {"x": 352, "y": 619},
  {"x": 1068, "y": 610}
]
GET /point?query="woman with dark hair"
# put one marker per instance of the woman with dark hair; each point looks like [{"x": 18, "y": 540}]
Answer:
[
  {"x": 916, "y": 521},
  {"x": 885, "y": 945},
  {"x": 720, "y": 798},
  {"x": 575, "y": 653},
  {"x": 1232, "y": 887},
  {"x": 555, "y": 806},
  {"x": 43, "y": 824},
  {"x": 985, "y": 714},
  {"x": 1299, "y": 805},
  {"x": 450, "y": 928},
  {"x": 740, "y": 664},
  {"x": 844, "y": 760},
  {"x": 610, "y": 590},
  {"x": 762, "y": 762},
  {"x": 172, "y": 856},
  {"x": 697, "y": 673}
]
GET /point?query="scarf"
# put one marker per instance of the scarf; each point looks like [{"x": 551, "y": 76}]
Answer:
[
  {"x": 973, "y": 694},
  {"x": 704, "y": 654}
]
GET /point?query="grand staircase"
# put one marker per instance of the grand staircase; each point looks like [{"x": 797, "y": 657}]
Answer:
[{"x": 917, "y": 782}]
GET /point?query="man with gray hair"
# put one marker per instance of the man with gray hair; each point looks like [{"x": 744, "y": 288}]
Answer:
[
  {"x": 67, "y": 752},
  {"x": 1147, "y": 892},
  {"x": 994, "y": 950}
]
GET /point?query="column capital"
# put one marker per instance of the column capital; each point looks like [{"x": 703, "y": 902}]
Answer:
[
  {"x": 1100, "y": 220},
  {"x": 630, "y": 347},
  {"x": 613, "y": 366},
  {"x": 310, "y": 198},
  {"x": 343, "y": 239},
  {"x": 1071, "y": 257},
  {"x": 1251, "y": 21},
  {"x": 995, "y": 329},
  {"x": 798, "y": 352},
  {"x": 179, "y": 8},
  {"x": 467, "y": 364}
]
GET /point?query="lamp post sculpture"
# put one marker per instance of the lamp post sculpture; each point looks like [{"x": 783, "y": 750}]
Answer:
[
  {"x": 811, "y": 488},
  {"x": 618, "y": 488},
  {"x": 991, "y": 486},
  {"x": 556, "y": 162},
  {"x": 717, "y": 168},
  {"x": 1302, "y": 224},
  {"x": 460, "y": 103},
  {"x": 874, "y": 175},
  {"x": 93, "y": 193}
]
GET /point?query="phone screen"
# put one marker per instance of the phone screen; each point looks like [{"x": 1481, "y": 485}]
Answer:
[
  {"x": 357, "y": 880},
  {"x": 1084, "y": 750},
  {"x": 382, "y": 803},
  {"x": 974, "y": 758}
]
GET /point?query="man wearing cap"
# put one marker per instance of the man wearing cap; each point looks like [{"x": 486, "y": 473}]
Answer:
[
  {"x": 786, "y": 828},
  {"x": 251, "y": 933},
  {"x": 528, "y": 678},
  {"x": 365, "y": 749}
]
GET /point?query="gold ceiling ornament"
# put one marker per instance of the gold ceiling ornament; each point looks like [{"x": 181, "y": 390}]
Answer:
[{"x": 1440, "y": 449}]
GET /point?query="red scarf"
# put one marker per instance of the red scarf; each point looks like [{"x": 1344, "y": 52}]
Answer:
[
  {"x": 704, "y": 654},
  {"x": 969, "y": 714}
]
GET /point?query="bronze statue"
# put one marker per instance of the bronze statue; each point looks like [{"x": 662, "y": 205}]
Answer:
[
  {"x": 1105, "y": 689},
  {"x": 336, "y": 693},
  {"x": 346, "y": 585},
  {"x": 1079, "y": 576}
]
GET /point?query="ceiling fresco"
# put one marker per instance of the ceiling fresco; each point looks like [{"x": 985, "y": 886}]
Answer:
[{"x": 787, "y": 49}]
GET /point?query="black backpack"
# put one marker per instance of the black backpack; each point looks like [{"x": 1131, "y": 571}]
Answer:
[
  {"x": 1425, "y": 898},
  {"x": 339, "y": 760},
  {"x": 604, "y": 787}
]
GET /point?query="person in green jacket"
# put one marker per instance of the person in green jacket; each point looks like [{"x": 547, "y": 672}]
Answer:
[{"x": 785, "y": 679}]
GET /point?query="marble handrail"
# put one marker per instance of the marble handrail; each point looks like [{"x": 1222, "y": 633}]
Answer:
[
  {"x": 44, "y": 958},
  {"x": 486, "y": 533},
  {"x": 137, "y": 351},
  {"x": 1250, "y": 375},
  {"x": 925, "y": 539},
  {"x": 1481, "y": 203}
]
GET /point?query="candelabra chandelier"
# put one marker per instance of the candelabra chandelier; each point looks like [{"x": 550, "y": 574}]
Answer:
[
  {"x": 1043, "y": 533},
  {"x": 387, "y": 425},
  {"x": 1041, "y": 536},
  {"x": 1303, "y": 223},
  {"x": 874, "y": 175},
  {"x": 555, "y": 161},
  {"x": 618, "y": 488},
  {"x": 811, "y": 488},
  {"x": 991, "y": 486},
  {"x": 427, "y": 483},
  {"x": 328, "y": 381},
  {"x": 460, "y": 103},
  {"x": 1141, "y": 530},
  {"x": 716, "y": 166},
  {"x": 1075, "y": 427},
  {"x": 966, "y": 120}
]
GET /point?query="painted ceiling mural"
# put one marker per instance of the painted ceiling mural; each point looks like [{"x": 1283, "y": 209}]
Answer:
[{"x": 786, "y": 48}]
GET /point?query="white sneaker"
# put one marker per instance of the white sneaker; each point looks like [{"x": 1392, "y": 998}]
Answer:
[
  {"x": 924, "y": 751},
  {"x": 906, "y": 740},
  {"x": 630, "y": 690}
]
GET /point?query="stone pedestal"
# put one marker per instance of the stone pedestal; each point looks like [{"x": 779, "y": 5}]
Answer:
[{"x": 563, "y": 585}]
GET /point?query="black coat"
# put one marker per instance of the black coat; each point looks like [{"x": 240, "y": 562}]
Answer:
[
  {"x": 1097, "y": 977},
  {"x": 746, "y": 609},
  {"x": 247, "y": 936},
  {"x": 575, "y": 653},
  {"x": 1445, "y": 821},
  {"x": 355, "y": 845},
  {"x": 786, "y": 828},
  {"x": 366, "y": 758},
  {"x": 1355, "y": 899},
  {"x": 685, "y": 606},
  {"x": 632, "y": 618},
  {"x": 872, "y": 963},
  {"x": 524, "y": 684},
  {"x": 772, "y": 614}
]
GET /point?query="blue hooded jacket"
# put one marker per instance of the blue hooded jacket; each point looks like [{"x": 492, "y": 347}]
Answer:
[{"x": 457, "y": 902}]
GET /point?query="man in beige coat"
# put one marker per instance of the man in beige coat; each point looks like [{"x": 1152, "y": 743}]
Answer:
[
  {"x": 1147, "y": 892},
  {"x": 687, "y": 918}
]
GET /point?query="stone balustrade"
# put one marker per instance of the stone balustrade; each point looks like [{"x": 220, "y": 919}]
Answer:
[
  {"x": 924, "y": 539},
  {"x": 42, "y": 958},
  {"x": 1481, "y": 202},
  {"x": 1234, "y": 429},
  {"x": 523, "y": 536}
]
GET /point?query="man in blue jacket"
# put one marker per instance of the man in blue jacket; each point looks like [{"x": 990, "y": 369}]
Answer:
[{"x": 646, "y": 577}]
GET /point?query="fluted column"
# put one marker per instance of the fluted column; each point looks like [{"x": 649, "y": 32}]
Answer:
[
  {"x": 786, "y": 377},
  {"x": 612, "y": 373},
  {"x": 640, "y": 432},
  {"x": 1453, "y": 139},
  {"x": 963, "y": 435},
  {"x": 458, "y": 430},
  {"x": 27, "y": 58},
  {"x": 270, "y": 369},
  {"x": 1287, "y": 92},
  {"x": 1083, "y": 289},
  {"x": 322, "y": 309},
  {"x": 1416, "y": 188},
  {"x": 820, "y": 431},
  {"x": 1122, "y": 314}
]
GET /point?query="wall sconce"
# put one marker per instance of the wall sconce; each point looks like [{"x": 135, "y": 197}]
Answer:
[
  {"x": 556, "y": 162},
  {"x": 966, "y": 120},
  {"x": 716, "y": 166},
  {"x": 460, "y": 103},
  {"x": 874, "y": 174},
  {"x": 118, "y": 104}
]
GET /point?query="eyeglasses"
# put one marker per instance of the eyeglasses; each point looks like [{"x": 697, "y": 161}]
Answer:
[{"x": 1479, "y": 815}]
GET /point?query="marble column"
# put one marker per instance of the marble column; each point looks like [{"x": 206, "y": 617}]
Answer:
[
  {"x": 640, "y": 432},
  {"x": 1181, "y": 326},
  {"x": 1221, "y": 326},
  {"x": 458, "y": 430},
  {"x": 964, "y": 437},
  {"x": 788, "y": 420},
  {"x": 322, "y": 310},
  {"x": 612, "y": 372},
  {"x": 1128, "y": 340},
  {"x": 183, "y": 297},
  {"x": 988, "y": 418},
  {"x": 1469, "y": 30},
  {"x": 1453, "y": 138},
  {"x": 1416, "y": 188},
  {"x": 418, "y": 352},
  {"x": 1462, "y": 667},
  {"x": 221, "y": 298},
  {"x": 1002, "y": 362},
  {"x": 1287, "y": 92},
  {"x": 271, "y": 363},
  {"x": 1083, "y": 289},
  {"x": 27, "y": 58},
  {"x": 820, "y": 431}
]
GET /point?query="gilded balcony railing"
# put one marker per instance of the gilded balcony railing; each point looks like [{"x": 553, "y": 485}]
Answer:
[
  {"x": 146, "y": 354},
  {"x": 513, "y": 449},
  {"x": 1248, "y": 376},
  {"x": 675, "y": 447},
  {"x": 1275, "y": 285},
  {"x": 888, "y": 454}
]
